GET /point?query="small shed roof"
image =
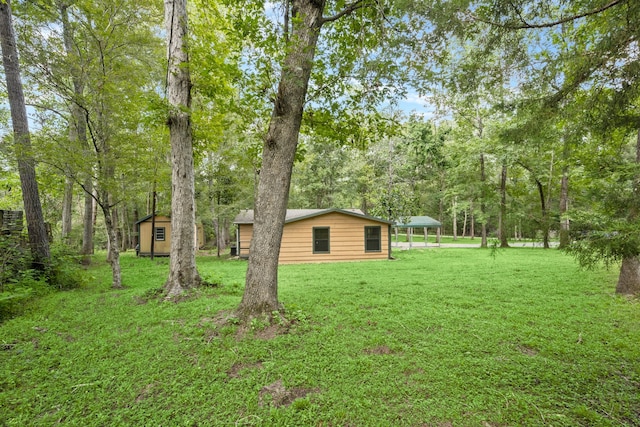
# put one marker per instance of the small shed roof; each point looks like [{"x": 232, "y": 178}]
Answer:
[
  {"x": 420, "y": 221},
  {"x": 292, "y": 215},
  {"x": 149, "y": 217}
]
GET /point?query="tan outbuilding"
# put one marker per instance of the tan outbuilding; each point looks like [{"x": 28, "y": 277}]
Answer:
[
  {"x": 161, "y": 235},
  {"x": 323, "y": 235}
]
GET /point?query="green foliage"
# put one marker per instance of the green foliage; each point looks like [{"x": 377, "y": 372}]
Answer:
[
  {"x": 65, "y": 271},
  {"x": 602, "y": 239},
  {"x": 20, "y": 284}
]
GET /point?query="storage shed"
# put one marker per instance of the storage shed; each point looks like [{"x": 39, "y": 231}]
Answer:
[
  {"x": 161, "y": 235},
  {"x": 323, "y": 235}
]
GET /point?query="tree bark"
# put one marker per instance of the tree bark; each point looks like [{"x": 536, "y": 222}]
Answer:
[
  {"x": 67, "y": 208},
  {"x": 629, "y": 278},
  {"x": 454, "y": 214},
  {"x": 37, "y": 231},
  {"x": 183, "y": 273},
  {"x": 87, "y": 229},
  {"x": 261, "y": 291},
  {"x": 564, "y": 208},
  {"x": 483, "y": 192},
  {"x": 502, "y": 228},
  {"x": 113, "y": 252},
  {"x": 544, "y": 213}
]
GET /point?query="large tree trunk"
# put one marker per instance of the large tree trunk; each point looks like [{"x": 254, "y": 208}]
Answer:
[
  {"x": 38, "y": 239},
  {"x": 502, "y": 226},
  {"x": 183, "y": 273},
  {"x": 261, "y": 290},
  {"x": 629, "y": 278}
]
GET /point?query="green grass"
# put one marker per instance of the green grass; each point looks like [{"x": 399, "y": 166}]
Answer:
[
  {"x": 439, "y": 337},
  {"x": 447, "y": 239}
]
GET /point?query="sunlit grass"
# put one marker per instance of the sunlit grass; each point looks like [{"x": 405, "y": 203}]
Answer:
[{"x": 437, "y": 337}]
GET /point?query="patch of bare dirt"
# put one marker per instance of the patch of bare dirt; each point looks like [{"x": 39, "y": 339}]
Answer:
[
  {"x": 277, "y": 395},
  {"x": 381, "y": 349},
  {"x": 145, "y": 392},
  {"x": 527, "y": 351},
  {"x": 236, "y": 368}
]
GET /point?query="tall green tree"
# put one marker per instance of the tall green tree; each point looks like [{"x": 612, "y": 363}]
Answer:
[
  {"x": 38, "y": 239},
  {"x": 306, "y": 21},
  {"x": 183, "y": 273}
]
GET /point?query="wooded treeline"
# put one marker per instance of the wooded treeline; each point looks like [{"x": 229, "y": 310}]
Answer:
[{"x": 533, "y": 130}]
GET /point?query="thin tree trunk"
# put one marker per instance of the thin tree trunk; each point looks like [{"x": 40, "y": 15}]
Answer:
[
  {"x": 464, "y": 223},
  {"x": 483, "y": 205},
  {"x": 183, "y": 273},
  {"x": 78, "y": 132},
  {"x": 113, "y": 253},
  {"x": 261, "y": 291},
  {"x": 472, "y": 221},
  {"x": 88, "y": 221},
  {"x": 455, "y": 217},
  {"x": 564, "y": 199},
  {"x": 67, "y": 208},
  {"x": 502, "y": 227},
  {"x": 543, "y": 212},
  {"x": 36, "y": 228}
]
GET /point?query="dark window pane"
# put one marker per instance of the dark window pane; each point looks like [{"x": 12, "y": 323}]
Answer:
[
  {"x": 321, "y": 240},
  {"x": 372, "y": 239}
]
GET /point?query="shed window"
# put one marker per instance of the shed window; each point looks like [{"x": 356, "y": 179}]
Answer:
[
  {"x": 372, "y": 239},
  {"x": 160, "y": 233},
  {"x": 320, "y": 240}
]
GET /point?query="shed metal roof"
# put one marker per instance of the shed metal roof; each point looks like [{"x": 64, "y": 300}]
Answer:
[
  {"x": 420, "y": 221},
  {"x": 292, "y": 215}
]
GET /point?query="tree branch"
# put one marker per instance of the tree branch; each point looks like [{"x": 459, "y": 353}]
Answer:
[
  {"x": 358, "y": 4},
  {"x": 526, "y": 25}
]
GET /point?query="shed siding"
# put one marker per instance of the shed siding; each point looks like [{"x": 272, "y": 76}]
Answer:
[
  {"x": 163, "y": 247},
  {"x": 245, "y": 232},
  {"x": 346, "y": 239},
  {"x": 159, "y": 247}
]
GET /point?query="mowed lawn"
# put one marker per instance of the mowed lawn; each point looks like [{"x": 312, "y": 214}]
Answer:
[{"x": 437, "y": 337}]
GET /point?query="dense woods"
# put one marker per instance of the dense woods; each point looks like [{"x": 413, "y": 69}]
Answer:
[{"x": 501, "y": 120}]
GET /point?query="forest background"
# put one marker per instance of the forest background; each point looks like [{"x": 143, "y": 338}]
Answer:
[{"x": 534, "y": 129}]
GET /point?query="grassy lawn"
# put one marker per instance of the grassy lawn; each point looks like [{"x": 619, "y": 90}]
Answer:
[
  {"x": 446, "y": 239},
  {"x": 438, "y": 337}
]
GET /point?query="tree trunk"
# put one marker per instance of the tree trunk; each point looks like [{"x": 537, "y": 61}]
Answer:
[
  {"x": 261, "y": 290},
  {"x": 483, "y": 205},
  {"x": 455, "y": 218},
  {"x": 87, "y": 230},
  {"x": 564, "y": 208},
  {"x": 629, "y": 278},
  {"x": 67, "y": 208},
  {"x": 472, "y": 221},
  {"x": 183, "y": 273},
  {"x": 37, "y": 231},
  {"x": 504, "y": 243},
  {"x": 78, "y": 132},
  {"x": 544, "y": 222},
  {"x": 113, "y": 253}
]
